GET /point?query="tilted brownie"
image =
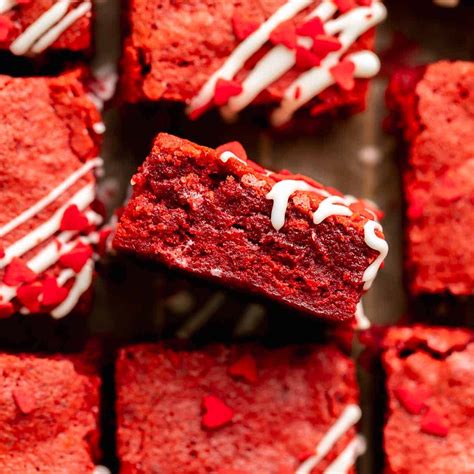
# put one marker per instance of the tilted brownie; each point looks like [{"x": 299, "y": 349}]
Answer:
[
  {"x": 237, "y": 409},
  {"x": 48, "y": 225},
  {"x": 217, "y": 215},
  {"x": 49, "y": 409},
  {"x": 299, "y": 54},
  {"x": 31, "y": 27},
  {"x": 430, "y": 387},
  {"x": 434, "y": 108}
]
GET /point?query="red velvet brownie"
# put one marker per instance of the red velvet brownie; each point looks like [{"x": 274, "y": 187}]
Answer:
[
  {"x": 430, "y": 388},
  {"x": 222, "y": 217},
  {"x": 237, "y": 409},
  {"x": 29, "y": 27},
  {"x": 49, "y": 410},
  {"x": 48, "y": 153},
  {"x": 309, "y": 54},
  {"x": 434, "y": 107}
]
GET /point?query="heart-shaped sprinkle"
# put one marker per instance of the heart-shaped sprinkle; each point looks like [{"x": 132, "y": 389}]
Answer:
[
  {"x": 234, "y": 147},
  {"x": 285, "y": 34},
  {"x": 434, "y": 424},
  {"x": 217, "y": 413},
  {"x": 18, "y": 272},
  {"x": 325, "y": 44},
  {"x": 24, "y": 400},
  {"x": 242, "y": 27},
  {"x": 225, "y": 90},
  {"x": 311, "y": 28},
  {"x": 28, "y": 296},
  {"x": 77, "y": 257},
  {"x": 245, "y": 368},
  {"x": 305, "y": 59},
  {"x": 413, "y": 400},
  {"x": 6, "y": 26},
  {"x": 53, "y": 294},
  {"x": 343, "y": 74},
  {"x": 73, "y": 219},
  {"x": 345, "y": 5}
]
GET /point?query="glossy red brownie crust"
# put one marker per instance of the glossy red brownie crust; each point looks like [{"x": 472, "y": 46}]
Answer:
[
  {"x": 230, "y": 409},
  {"x": 47, "y": 137},
  {"x": 49, "y": 409},
  {"x": 430, "y": 391},
  {"x": 172, "y": 49},
  {"x": 70, "y": 27},
  {"x": 192, "y": 211},
  {"x": 434, "y": 107}
]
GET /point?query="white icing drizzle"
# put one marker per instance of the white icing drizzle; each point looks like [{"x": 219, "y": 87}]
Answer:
[
  {"x": 227, "y": 155},
  {"x": 6, "y": 5},
  {"x": 362, "y": 321},
  {"x": 279, "y": 60},
  {"x": 331, "y": 206},
  {"x": 375, "y": 243},
  {"x": 82, "y": 283},
  {"x": 348, "y": 457},
  {"x": 43, "y": 32},
  {"x": 280, "y": 195},
  {"x": 349, "y": 417},
  {"x": 51, "y": 197}
]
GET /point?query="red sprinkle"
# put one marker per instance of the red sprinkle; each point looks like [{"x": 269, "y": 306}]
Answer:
[
  {"x": 18, "y": 272},
  {"x": 217, "y": 413},
  {"x": 234, "y": 147},
  {"x": 73, "y": 219},
  {"x": 6, "y": 309},
  {"x": 6, "y": 25},
  {"x": 245, "y": 368},
  {"x": 345, "y": 5},
  {"x": 77, "y": 257},
  {"x": 297, "y": 93},
  {"x": 285, "y": 34},
  {"x": 102, "y": 246},
  {"x": 311, "y": 28},
  {"x": 434, "y": 424},
  {"x": 412, "y": 400},
  {"x": 364, "y": 3},
  {"x": 225, "y": 90},
  {"x": 2, "y": 252},
  {"x": 24, "y": 400},
  {"x": 325, "y": 44},
  {"x": 306, "y": 59},
  {"x": 28, "y": 296},
  {"x": 53, "y": 294},
  {"x": 243, "y": 28},
  {"x": 343, "y": 74}
]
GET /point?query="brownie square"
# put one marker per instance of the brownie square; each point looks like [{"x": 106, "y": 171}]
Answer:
[
  {"x": 430, "y": 391},
  {"x": 242, "y": 409},
  {"x": 48, "y": 154},
  {"x": 303, "y": 54},
  {"x": 434, "y": 108},
  {"x": 49, "y": 408}
]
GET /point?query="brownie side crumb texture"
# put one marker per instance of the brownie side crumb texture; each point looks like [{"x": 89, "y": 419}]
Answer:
[
  {"x": 430, "y": 392},
  {"x": 192, "y": 211},
  {"x": 172, "y": 49},
  {"x": 49, "y": 408},
  {"x": 48, "y": 153},
  {"x": 33, "y": 27},
  {"x": 230, "y": 409},
  {"x": 434, "y": 107}
]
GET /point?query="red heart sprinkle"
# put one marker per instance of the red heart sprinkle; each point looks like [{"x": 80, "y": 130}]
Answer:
[
  {"x": 18, "y": 272},
  {"x": 73, "y": 219},
  {"x": 28, "y": 296},
  {"x": 245, "y": 368},
  {"x": 311, "y": 28},
  {"x": 305, "y": 59},
  {"x": 343, "y": 74},
  {"x": 225, "y": 90},
  {"x": 243, "y": 28},
  {"x": 434, "y": 424},
  {"x": 77, "y": 257},
  {"x": 217, "y": 413},
  {"x": 234, "y": 147},
  {"x": 345, "y": 5},
  {"x": 325, "y": 44},
  {"x": 412, "y": 400},
  {"x": 53, "y": 294},
  {"x": 6, "y": 309},
  {"x": 24, "y": 400},
  {"x": 6, "y": 25},
  {"x": 285, "y": 34}
]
